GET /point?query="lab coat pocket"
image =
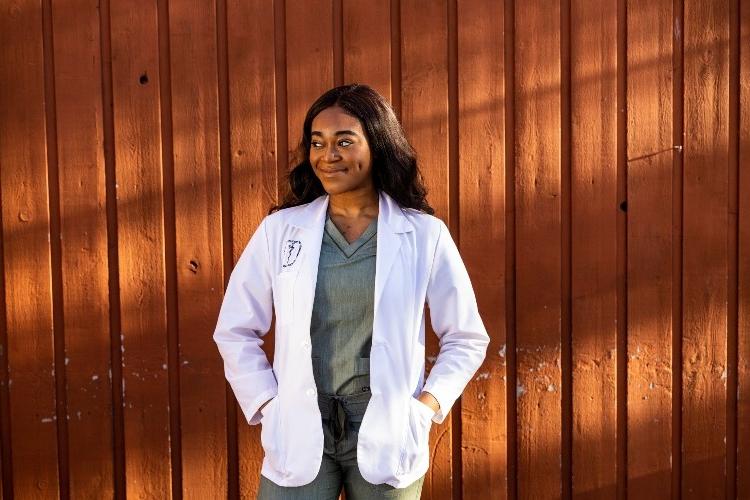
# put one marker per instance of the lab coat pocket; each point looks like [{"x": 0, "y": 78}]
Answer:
[
  {"x": 269, "y": 434},
  {"x": 415, "y": 450},
  {"x": 284, "y": 297}
]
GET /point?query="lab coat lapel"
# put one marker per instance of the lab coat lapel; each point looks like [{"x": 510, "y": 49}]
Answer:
[
  {"x": 311, "y": 222},
  {"x": 389, "y": 243}
]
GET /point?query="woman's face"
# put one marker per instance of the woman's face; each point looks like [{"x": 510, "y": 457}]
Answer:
[{"x": 339, "y": 152}]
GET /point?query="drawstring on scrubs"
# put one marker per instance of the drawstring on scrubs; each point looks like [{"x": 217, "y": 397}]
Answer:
[
  {"x": 337, "y": 421},
  {"x": 337, "y": 412}
]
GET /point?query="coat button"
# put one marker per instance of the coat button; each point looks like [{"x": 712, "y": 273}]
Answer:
[{"x": 310, "y": 392}]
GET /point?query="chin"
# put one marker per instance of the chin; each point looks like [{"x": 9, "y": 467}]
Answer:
[{"x": 336, "y": 189}]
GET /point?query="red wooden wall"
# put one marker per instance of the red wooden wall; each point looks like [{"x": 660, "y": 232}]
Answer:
[{"x": 592, "y": 158}]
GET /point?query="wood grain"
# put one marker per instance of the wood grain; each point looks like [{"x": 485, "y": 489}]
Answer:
[
  {"x": 140, "y": 230},
  {"x": 743, "y": 282},
  {"x": 26, "y": 253},
  {"x": 649, "y": 243},
  {"x": 538, "y": 260},
  {"x": 705, "y": 225},
  {"x": 197, "y": 176},
  {"x": 78, "y": 98},
  {"x": 367, "y": 44},
  {"x": 481, "y": 152},
  {"x": 594, "y": 277}
]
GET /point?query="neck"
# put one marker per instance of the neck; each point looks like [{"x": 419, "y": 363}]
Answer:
[{"x": 354, "y": 204}]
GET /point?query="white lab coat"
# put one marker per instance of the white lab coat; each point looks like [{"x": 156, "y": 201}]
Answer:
[{"x": 417, "y": 262}]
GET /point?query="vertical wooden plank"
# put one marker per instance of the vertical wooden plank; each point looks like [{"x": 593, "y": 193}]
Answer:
[
  {"x": 367, "y": 44},
  {"x": 6, "y": 479},
  {"x": 594, "y": 246},
  {"x": 649, "y": 205},
  {"x": 424, "y": 93},
  {"x": 743, "y": 260},
  {"x": 622, "y": 252},
  {"x": 511, "y": 399},
  {"x": 538, "y": 230},
  {"x": 424, "y": 115},
  {"x": 705, "y": 267},
  {"x": 337, "y": 23},
  {"x": 138, "y": 161},
  {"x": 309, "y": 59},
  {"x": 197, "y": 177},
  {"x": 253, "y": 153},
  {"x": 115, "y": 317},
  {"x": 83, "y": 237},
  {"x": 26, "y": 257},
  {"x": 481, "y": 140}
]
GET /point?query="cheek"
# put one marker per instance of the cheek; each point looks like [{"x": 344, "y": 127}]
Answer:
[{"x": 365, "y": 161}]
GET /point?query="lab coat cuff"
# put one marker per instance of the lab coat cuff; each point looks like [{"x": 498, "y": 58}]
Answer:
[
  {"x": 254, "y": 408},
  {"x": 443, "y": 400},
  {"x": 252, "y": 390}
]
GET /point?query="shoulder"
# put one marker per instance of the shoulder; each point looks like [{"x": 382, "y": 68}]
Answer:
[
  {"x": 281, "y": 217},
  {"x": 424, "y": 224}
]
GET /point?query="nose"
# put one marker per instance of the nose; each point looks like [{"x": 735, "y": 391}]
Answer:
[{"x": 331, "y": 154}]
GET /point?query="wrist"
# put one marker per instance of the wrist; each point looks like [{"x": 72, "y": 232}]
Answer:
[{"x": 429, "y": 400}]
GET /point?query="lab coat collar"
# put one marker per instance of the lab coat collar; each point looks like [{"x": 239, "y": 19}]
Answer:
[{"x": 391, "y": 222}]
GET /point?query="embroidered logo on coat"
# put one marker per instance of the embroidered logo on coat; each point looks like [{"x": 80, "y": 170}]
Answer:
[{"x": 290, "y": 252}]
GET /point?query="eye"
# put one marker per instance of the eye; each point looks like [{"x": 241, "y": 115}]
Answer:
[
  {"x": 315, "y": 144},
  {"x": 345, "y": 142}
]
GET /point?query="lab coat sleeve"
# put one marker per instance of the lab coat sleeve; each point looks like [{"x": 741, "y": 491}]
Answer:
[
  {"x": 454, "y": 316},
  {"x": 244, "y": 318}
]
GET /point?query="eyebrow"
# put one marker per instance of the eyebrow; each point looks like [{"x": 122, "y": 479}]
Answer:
[{"x": 340, "y": 132}]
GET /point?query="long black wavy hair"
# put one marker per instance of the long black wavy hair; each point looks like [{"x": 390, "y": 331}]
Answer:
[{"x": 394, "y": 162}]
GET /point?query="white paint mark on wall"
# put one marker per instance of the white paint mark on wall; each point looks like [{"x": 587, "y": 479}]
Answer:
[
  {"x": 520, "y": 390},
  {"x": 483, "y": 376}
]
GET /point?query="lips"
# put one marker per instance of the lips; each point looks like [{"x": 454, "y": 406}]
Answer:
[{"x": 331, "y": 171}]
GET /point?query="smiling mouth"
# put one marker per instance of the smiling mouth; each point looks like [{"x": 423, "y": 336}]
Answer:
[{"x": 332, "y": 172}]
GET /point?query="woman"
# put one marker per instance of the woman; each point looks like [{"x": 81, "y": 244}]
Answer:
[{"x": 348, "y": 262}]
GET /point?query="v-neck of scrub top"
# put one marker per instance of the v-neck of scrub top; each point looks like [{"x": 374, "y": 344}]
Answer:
[{"x": 347, "y": 248}]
